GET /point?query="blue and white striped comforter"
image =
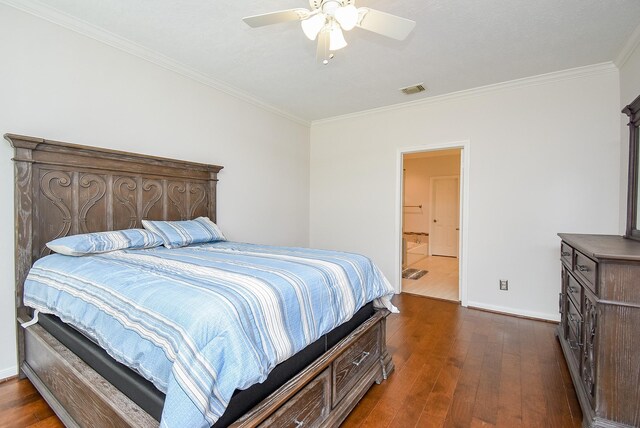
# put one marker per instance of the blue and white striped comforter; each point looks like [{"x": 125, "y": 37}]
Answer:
[{"x": 202, "y": 321}]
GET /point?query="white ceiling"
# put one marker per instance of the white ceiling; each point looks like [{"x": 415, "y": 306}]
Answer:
[{"x": 456, "y": 45}]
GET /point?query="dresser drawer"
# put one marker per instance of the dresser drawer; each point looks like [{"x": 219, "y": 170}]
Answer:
[
  {"x": 308, "y": 408},
  {"x": 574, "y": 291},
  {"x": 574, "y": 330},
  {"x": 586, "y": 269},
  {"x": 566, "y": 255},
  {"x": 350, "y": 366}
]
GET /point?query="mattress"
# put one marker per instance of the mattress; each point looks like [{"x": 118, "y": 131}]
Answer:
[{"x": 148, "y": 397}]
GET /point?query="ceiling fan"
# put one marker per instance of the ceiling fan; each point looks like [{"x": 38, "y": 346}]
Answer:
[{"x": 328, "y": 18}]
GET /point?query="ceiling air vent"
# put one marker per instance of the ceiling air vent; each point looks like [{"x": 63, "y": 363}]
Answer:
[{"x": 410, "y": 90}]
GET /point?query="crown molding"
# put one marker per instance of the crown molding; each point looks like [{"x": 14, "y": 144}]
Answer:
[
  {"x": 628, "y": 49},
  {"x": 69, "y": 22},
  {"x": 541, "y": 79}
]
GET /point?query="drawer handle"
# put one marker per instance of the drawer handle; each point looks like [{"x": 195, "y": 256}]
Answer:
[
  {"x": 298, "y": 423},
  {"x": 561, "y": 303},
  {"x": 565, "y": 253},
  {"x": 361, "y": 359},
  {"x": 574, "y": 344},
  {"x": 572, "y": 289},
  {"x": 582, "y": 268},
  {"x": 572, "y": 319}
]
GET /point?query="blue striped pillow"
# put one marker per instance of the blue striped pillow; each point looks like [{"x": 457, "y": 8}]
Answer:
[
  {"x": 102, "y": 242},
  {"x": 180, "y": 233}
]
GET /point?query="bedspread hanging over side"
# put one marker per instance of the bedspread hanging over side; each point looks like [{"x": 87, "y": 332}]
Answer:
[{"x": 204, "y": 320}]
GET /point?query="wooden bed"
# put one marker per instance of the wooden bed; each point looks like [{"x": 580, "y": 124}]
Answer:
[{"x": 64, "y": 189}]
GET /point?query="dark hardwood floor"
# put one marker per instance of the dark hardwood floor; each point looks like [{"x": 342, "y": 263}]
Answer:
[
  {"x": 455, "y": 367},
  {"x": 22, "y": 406},
  {"x": 459, "y": 367}
]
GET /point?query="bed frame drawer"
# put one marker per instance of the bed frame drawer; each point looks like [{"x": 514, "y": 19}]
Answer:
[
  {"x": 351, "y": 366},
  {"x": 347, "y": 386},
  {"x": 308, "y": 408}
]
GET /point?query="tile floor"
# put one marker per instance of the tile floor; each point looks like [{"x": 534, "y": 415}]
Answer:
[{"x": 441, "y": 282}]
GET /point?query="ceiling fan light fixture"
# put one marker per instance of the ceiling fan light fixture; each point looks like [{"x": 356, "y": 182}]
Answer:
[
  {"x": 329, "y": 7},
  {"x": 347, "y": 17},
  {"x": 312, "y": 26},
  {"x": 326, "y": 20},
  {"x": 336, "y": 38}
]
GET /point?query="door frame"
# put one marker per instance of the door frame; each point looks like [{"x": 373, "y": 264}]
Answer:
[
  {"x": 463, "y": 249},
  {"x": 431, "y": 204}
]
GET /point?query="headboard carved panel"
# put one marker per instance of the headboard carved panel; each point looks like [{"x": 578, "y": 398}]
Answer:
[
  {"x": 64, "y": 189},
  {"x": 71, "y": 202}
]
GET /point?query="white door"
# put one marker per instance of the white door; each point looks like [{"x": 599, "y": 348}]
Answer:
[{"x": 445, "y": 212}]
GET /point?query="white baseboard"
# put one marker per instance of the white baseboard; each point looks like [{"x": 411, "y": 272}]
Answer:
[
  {"x": 8, "y": 372},
  {"x": 511, "y": 311}
]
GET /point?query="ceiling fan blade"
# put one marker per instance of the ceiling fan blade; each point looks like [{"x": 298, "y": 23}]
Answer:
[
  {"x": 386, "y": 24},
  {"x": 276, "y": 17},
  {"x": 322, "y": 52}
]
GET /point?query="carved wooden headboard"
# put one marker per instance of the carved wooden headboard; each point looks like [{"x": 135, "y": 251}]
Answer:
[{"x": 65, "y": 189}]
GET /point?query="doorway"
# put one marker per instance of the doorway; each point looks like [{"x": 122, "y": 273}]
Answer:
[{"x": 430, "y": 226}]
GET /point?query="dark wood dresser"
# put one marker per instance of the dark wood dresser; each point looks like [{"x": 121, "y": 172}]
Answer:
[{"x": 600, "y": 326}]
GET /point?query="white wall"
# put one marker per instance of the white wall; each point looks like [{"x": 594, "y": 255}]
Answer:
[
  {"x": 544, "y": 158},
  {"x": 417, "y": 188},
  {"x": 60, "y": 85},
  {"x": 629, "y": 91},
  {"x": 630, "y": 77}
]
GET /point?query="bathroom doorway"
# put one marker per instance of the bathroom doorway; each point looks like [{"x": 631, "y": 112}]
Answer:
[{"x": 431, "y": 223}]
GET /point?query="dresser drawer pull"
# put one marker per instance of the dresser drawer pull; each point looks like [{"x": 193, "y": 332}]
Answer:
[
  {"x": 560, "y": 306},
  {"x": 361, "y": 359},
  {"x": 572, "y": 319},
  {"x": 582, "y": 268},
  {"x": 565, "y": 253},
  {"x": 574, "y": 344},
  {"x": 298, "y": 423},
  {"x": 572, "y": 289}
]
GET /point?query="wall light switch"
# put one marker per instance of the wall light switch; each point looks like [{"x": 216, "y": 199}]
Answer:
[{"x": 504, "y": 285}]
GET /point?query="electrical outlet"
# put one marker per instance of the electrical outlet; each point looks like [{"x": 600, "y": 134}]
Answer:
[{"x": 504, "y": 285}]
